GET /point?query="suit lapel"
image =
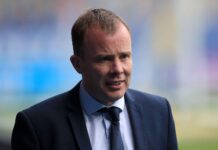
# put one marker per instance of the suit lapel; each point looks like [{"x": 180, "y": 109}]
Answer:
[
  {"x": 80, "y": 131},
  {"x": 136, "y": 120},
  {"x": 77, "y": 120},
  {"x": 78, "y": 125}
]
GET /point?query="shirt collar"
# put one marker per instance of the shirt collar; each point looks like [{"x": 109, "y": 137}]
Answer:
[{"x": 91, "y": 105}]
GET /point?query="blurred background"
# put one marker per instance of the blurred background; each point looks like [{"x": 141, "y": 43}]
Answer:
[{"x": 175, "y": 54}]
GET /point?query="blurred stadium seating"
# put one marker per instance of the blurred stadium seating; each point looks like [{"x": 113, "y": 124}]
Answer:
[{"x": 175, "y": 54}]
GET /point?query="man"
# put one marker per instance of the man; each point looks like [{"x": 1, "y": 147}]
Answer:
[{"x": 100, "y": 112}]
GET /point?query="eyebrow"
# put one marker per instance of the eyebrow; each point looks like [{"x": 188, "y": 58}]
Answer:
[
  {"x": 105, "y": 54},
  {"x": 128, "y": 53}
]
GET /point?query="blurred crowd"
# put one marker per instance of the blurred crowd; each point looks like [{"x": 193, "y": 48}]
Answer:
[{"x": 175, "y": 46}]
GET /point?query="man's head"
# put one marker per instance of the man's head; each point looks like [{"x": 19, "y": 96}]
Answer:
[
  {"x": 102, "y": 54},
  {"x": 104, "y": 19}
]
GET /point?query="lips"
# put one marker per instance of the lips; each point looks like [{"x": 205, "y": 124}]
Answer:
[{"x": 115, "y": 85}]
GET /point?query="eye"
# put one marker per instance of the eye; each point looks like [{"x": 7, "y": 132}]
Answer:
[
  {"x": 104, "y": 58},
  {"x": 125, "y": 56}
]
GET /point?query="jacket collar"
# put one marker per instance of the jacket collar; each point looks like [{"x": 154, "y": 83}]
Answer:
[
  {"x": 77, "y": 120},
  {"x": 137, "y": 122},
  {"x": 78, "y": 125}
]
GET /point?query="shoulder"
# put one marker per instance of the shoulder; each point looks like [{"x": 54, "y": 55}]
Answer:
[
  {"x": 147, "y": 101},
  {"x": 43, "y": 115},
  {"x": 140, "y": 96},
  {"x": 58, "y": 103},
  {"x": 51, "y": 108},
  {"x": 50, "y": 103}
]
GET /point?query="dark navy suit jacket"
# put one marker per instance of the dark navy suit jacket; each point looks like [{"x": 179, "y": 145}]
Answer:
[{"x": 58, "y": 123}]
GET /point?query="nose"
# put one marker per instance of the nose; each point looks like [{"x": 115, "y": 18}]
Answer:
[{"x": 117, "y": 67}]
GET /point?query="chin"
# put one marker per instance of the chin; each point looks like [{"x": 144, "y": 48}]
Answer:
[{"x": 115, "y": 96}]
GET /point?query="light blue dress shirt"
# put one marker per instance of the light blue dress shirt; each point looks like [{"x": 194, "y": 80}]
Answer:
[{"x": 98, "y": 125}]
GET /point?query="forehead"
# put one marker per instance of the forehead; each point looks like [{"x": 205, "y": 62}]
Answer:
[{"x": 96, "y": 38}]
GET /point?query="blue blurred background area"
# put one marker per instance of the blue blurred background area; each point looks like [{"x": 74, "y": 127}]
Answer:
[{"x": 175, "y": 54}]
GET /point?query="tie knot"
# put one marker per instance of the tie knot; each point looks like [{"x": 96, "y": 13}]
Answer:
[{"x": 113, "y": 112}]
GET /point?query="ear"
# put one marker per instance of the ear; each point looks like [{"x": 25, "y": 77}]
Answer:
[{"x": 76, "y": 62}]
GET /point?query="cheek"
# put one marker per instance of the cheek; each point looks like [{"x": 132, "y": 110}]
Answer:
[
  {"x": 94, "y": 77},
  {"x": 100, "y": 71},
  {"x": 128, "y": 68}
]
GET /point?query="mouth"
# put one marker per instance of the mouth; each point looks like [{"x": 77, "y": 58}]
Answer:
[{"x": 115, "y": 85}]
